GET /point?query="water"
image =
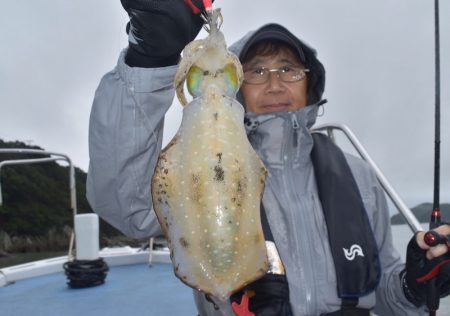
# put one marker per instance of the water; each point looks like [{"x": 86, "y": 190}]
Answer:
[{"x": 402, "y": 234}]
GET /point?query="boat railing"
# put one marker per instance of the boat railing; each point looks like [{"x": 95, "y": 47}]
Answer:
[
  {"x": 404, "y": 210},
  {"x": 48, "y": 157}
]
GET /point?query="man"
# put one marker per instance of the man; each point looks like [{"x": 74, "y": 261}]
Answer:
[{"x": 315, "y": 199}]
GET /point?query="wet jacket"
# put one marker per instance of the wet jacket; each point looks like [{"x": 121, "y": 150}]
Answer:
[{"x": 125, "y": 139}]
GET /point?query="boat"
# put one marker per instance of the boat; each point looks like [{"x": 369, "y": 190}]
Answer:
[{"x": 139, "y": 281}]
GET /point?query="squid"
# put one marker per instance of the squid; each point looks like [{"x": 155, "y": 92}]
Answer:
[{"x": 208, "y": 180}]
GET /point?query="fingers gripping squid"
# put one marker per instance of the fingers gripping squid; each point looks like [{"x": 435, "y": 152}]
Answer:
[{"x": 208, "y": 181}]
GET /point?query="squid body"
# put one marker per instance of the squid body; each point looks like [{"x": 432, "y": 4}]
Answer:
[{"x": 208, "y": 181}]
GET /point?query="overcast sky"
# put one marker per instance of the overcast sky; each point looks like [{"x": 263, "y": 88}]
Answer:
[{"x": 379, "y": 57}]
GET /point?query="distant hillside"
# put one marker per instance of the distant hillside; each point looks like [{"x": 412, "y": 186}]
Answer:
[
  {"x": 423, "y": 212},
  {"x": 36, "y": 197}
]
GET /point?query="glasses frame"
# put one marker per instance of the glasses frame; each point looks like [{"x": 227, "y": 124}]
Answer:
[{"x": 302, "y": 72}]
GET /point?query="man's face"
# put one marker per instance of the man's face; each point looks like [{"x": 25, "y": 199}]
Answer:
[{"x": 274, "y": 95}]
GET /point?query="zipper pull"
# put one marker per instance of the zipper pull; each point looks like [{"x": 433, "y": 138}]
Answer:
[{"x": 295, "y": 126}]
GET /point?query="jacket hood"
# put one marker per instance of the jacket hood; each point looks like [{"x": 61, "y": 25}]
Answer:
[{"x": 308, "y": 56}]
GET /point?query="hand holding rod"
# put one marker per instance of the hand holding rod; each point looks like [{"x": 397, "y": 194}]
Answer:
[{"x": 433, "y": 238}]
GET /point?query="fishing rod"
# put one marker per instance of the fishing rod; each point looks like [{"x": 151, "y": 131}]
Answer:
[{"x": 432, "y": 238}]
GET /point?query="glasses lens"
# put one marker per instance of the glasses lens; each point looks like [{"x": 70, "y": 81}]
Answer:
[
  {"x": 286, "y": 74},
  {"x": 256, "y": 76},
  {"x": 291, "y": 74}
]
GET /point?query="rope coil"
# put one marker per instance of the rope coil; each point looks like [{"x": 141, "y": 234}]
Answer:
[{"x": 85, "y": 273}]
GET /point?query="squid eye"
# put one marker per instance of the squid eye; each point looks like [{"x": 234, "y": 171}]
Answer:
[
  {"x": 231, "y": 78},
  {"x": 194, "y": 79}
]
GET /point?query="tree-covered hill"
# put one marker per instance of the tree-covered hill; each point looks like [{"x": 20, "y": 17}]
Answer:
[
  {"x": 36, "y": 197},
  {"x": 423, "y": 212}
]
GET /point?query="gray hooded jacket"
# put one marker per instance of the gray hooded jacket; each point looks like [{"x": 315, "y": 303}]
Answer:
[{"x": 125, "y": 139}]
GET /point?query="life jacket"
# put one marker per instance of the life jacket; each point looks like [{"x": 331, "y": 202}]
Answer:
[{"x": 353, "y": 246}]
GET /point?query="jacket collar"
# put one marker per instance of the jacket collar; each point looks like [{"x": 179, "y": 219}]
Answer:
[{"x": 277, "y": 137}]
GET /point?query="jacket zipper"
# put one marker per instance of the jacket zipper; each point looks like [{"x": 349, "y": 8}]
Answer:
[
  {"x": 295, "y": 126},
  {"x": 293, "y": 200}
]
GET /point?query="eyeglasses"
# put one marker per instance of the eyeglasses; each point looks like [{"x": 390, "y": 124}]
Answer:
[{"x": 261, "y": 75}]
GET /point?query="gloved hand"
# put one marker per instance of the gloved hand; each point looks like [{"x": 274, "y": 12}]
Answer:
[
  {"x": 424, "y": 263},
  {"x": 159, "y": 30},
  {"x": 269, "y": 296}
]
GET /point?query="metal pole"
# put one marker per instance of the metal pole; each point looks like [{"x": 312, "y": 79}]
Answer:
[
  {"x": 22, "y": 161},
  {"x": 72, "y": 182},
  {"x": 395, "y": 198}
]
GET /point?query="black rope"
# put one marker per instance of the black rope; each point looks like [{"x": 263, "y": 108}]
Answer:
[{"x": 85, "y": 273}]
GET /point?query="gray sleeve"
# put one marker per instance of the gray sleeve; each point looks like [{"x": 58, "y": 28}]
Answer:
[
  {"x": 390, "y": 299},
  {"x": 125, "y": 139}
]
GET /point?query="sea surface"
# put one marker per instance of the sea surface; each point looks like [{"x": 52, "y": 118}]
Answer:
[{"x": 401, "y": 235}]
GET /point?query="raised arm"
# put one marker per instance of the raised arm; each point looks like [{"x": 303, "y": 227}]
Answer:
[{"x": 127, "y": 116}]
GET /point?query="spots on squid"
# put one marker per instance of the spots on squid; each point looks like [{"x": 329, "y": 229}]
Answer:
[
  {"x": 195, "y": 179},
  {"x": 219, "y": 173},
  {"x": 183, "y": 242},
  {"x": 219, "y": 156},
  {"x": 163, "y": 158},
  {"x": 264, "y": 171},
  {"x": 239, "y": 188},
  {"x": 196, "y": 193}
]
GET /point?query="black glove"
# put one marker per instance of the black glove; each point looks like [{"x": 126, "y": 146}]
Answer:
[
  {"x": 419, "y": 270},
  {"x": 269, "y": 296},
  {"x": 159, "y": 30}
]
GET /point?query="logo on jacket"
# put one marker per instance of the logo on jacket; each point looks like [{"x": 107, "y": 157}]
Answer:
[{"x": 351, "y": 253}]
